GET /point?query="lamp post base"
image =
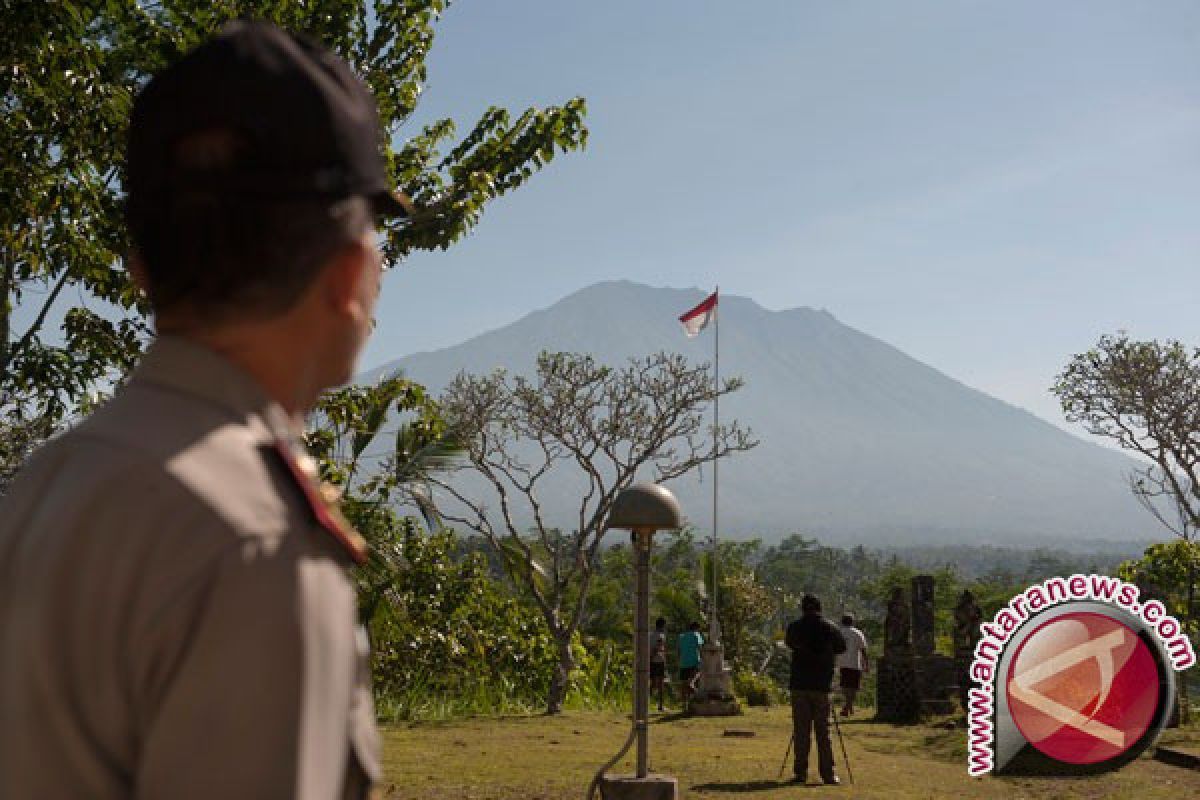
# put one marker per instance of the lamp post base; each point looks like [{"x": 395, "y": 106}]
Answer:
[{"x": 629, "y": 787}]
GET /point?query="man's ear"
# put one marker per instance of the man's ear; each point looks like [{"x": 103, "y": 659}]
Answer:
[
  {"x": 137, "y": 271},
  {"x": 343, "y": 278}
]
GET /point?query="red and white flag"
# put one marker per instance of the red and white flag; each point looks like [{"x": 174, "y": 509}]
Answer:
[{"x": 695, "y": 320}]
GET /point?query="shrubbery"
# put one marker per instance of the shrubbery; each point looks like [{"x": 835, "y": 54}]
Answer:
[
  {"x": 757, "y": 690},
  {"x": 446, "y": 636}
]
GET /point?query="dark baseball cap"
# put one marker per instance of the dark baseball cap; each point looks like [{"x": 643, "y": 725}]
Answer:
[{"x": 258, "y": 112}]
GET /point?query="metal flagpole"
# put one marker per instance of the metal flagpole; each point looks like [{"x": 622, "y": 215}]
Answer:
[{"x": 714, "y": 628}]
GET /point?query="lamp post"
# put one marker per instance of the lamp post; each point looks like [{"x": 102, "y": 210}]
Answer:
[{"x": 641, "y": 509}]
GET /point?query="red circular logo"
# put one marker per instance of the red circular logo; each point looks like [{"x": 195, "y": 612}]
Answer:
[{"x": 1083, "y": 688}]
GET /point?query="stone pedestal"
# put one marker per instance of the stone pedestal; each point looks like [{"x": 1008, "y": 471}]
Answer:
[
  {"x": 937, "y": 683},
  {"x": 896, "y": 697},
  {"x": 630, "y": 787},
  {"x": 714, "y": 687}
]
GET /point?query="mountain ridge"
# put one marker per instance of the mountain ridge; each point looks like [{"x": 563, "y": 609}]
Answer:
[{"x": 859, "y": 438}]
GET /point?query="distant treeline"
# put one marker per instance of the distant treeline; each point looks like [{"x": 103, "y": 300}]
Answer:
[
  {"x": 972, "y": 561},
  {"x": 453, "y": 634},
  {"x": 760, "y": 586}
]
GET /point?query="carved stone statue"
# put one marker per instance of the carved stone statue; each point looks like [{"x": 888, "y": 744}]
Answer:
[
  {"x": 967, "y": 619},
  {"x": 923, "y": 635},
  {"x": 897, "y": 625}
]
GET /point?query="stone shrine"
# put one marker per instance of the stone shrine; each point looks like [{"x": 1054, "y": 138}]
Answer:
[
  {"x": 895, "y": 685},
  {"x": 913, "y": 679}
]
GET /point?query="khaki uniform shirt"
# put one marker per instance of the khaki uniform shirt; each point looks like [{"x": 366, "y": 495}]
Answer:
[{"x": 174, "y": 622}]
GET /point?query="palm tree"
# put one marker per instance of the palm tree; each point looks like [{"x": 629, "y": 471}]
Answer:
[{"x": 373, "y": 480}]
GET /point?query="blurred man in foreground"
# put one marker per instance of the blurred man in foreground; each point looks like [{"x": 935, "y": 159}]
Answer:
[{"x": 176, "y": 615}]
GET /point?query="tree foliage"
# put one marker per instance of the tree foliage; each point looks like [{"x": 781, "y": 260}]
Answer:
[
  {"x": 606, "y": 426},
  {"x": 445, "y": 628},
  {"x": 18, "y": 439},
  {"x": 1169, "y": 572},
  {"x": 343, "y": 428},
  {"x": 68, "y": 73},
  {"x": 675, "y": 587},
  {"x": 66, "y": 95},
  {"x": 745, "y": 606},
  {"x": 348, "y": 423},
  {"x": 438, "y": 623},
  {"x": 1145, "y": 396}
]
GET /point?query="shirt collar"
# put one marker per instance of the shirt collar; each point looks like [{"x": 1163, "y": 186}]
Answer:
[{"x": 193, "y": 369}]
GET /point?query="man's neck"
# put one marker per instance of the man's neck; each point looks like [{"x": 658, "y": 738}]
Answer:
[{"x": 268, "y": 354}]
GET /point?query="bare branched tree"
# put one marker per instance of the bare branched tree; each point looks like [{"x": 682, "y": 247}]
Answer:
[
  {"x": 1146, "y": 397},
  {"x": 607, "y": 426}
]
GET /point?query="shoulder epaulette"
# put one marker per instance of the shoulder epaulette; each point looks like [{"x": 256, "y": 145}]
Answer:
[{"x": 322, "y": 501}]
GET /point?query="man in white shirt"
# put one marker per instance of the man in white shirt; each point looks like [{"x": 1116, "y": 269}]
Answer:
[{"x": 852, "y": 663}]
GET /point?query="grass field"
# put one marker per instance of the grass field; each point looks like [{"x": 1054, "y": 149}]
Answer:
[{"x": 549, "y": 758}]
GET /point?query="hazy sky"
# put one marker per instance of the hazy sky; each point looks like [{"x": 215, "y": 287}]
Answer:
[{"x": 987, "y": 186}]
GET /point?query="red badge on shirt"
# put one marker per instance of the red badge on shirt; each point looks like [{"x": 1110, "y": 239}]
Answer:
[{"x": 326, "y": 511}]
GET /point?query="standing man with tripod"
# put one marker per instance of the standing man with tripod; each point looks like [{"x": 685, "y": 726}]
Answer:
[{"x": 815, "y": 642}]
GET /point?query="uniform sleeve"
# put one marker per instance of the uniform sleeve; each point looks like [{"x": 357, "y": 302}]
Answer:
[{"x": 251, "y": 681}]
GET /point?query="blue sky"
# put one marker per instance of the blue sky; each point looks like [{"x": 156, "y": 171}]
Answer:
[{"x": 987, "y": 186}]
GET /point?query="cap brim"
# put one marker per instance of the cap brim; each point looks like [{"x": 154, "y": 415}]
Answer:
[{"x": 393, "y": 204}]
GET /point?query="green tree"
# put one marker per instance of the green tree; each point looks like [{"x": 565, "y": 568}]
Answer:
[
  {"x": 675, "y": 587},
  {"x": 439, "y": 626},
  {"x": 1168, "y": 572},
  {"x": 68, "y": 73},
  {"x": 676, "y": 582},
  {"x": 1146, "y": 397},
  {"x": 745, "y": 608},
  {"x": 20, "y": 436},
  {"x": 18, "y": 439},
  {"x": 445, "y": 630},
  {"x": 371, "y": 482},
  {"x": 845, "y": 580}
]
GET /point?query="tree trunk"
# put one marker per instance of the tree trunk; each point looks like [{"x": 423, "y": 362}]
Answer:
[
  {"x": 1189, "y": 627},
  {"x": 562, "y": 673}
]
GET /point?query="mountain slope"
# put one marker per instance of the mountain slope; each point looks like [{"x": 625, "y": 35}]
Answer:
[{"x": 859, "y": 441}]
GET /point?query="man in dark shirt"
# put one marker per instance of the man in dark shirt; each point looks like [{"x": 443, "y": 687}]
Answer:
[{"x": 815, "y": 642}]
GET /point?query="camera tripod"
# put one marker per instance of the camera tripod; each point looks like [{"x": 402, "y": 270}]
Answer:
[{"x": 837, "y": 727}]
